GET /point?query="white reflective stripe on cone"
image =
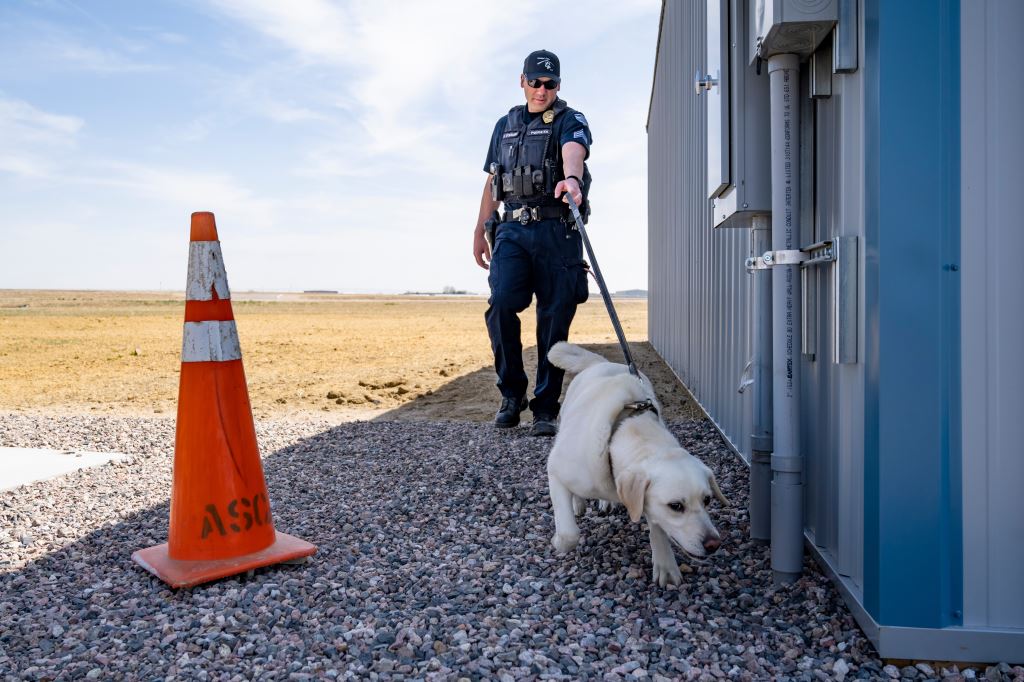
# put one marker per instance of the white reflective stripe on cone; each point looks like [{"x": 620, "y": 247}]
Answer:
[
  {"x": 206, "y": 272},
  {"x": 212, "y": 341}
]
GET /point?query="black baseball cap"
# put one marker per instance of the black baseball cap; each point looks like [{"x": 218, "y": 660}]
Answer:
[{"x": 541, "y": 64}]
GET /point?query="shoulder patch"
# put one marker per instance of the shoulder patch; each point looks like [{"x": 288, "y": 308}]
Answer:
[{"x": 581, "y": 118}]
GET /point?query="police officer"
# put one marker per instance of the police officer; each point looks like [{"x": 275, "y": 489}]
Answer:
[{"x": 536, "y": 155}]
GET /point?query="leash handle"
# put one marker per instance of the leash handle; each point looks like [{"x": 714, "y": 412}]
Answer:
[{"x": 601, "y": 285}]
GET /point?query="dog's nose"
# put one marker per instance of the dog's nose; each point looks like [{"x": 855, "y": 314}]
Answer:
[{"x": 711, "y": 544}]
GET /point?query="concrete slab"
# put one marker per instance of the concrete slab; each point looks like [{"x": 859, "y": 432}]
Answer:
[{"x": 21, "y": 466}]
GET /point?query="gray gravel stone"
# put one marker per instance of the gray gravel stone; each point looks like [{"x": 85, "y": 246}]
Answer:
[{"x": 434, "y": 563}]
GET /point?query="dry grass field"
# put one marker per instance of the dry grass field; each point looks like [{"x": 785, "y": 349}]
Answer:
[{"x": 390, "y": 357}]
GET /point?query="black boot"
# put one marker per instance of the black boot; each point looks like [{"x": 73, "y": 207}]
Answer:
[
  {"x": 544, "y": 424},
  {"x": 508, "y": 413}
]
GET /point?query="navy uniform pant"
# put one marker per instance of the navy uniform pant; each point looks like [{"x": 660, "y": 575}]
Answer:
[{"x": 543, "y": 258}]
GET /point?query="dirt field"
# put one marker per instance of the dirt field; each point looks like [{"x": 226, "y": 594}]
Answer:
[{"x": 327, "y": 356}]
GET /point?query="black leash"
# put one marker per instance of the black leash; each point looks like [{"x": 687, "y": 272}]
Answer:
[{"x": 601, "y": 285}]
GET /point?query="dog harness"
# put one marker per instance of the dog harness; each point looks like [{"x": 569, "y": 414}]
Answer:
[{"x": 628, "y": 410}]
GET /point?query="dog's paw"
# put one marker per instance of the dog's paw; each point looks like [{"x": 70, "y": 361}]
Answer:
[
  {"x": 565, "y": 543},
  {"x": 667, "y": 573},
  {"x": 579, "y": 505}
]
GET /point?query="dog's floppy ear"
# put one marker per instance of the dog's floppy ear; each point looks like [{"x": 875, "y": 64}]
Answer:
[
  {"x": 632, "y": 488},
  {"x": 717, "y": 491}
]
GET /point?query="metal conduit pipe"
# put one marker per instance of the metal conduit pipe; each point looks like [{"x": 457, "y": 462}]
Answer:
[
  {"x": 787, "y": 465},
  {"x": 761, "y": 373}
]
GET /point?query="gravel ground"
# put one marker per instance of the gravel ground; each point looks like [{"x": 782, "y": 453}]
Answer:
[{"x": 433, "y": 563}]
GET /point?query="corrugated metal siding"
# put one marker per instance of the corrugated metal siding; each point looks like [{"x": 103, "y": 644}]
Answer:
[
  {"x": 992, "y": 98},
  {"x": 699, "y": 290}
]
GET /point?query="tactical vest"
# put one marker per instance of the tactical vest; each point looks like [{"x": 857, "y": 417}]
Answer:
[{"x": 530, "y": 159}]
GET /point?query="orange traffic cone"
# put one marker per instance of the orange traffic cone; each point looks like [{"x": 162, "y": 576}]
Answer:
[{"x": 220, "y": 512}]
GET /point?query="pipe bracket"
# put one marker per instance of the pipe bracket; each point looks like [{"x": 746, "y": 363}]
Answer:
[
  {"x": 772, "y": 258},
  {"x": 813, "y": 254}
]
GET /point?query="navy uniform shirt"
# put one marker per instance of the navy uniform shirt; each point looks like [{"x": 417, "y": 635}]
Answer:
[{"x": 569, "y": 127}]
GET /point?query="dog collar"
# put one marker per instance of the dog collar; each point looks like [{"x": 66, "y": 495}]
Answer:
[
  {"x": 639, "y": 407},
  {"x": 628, "y": 410}
]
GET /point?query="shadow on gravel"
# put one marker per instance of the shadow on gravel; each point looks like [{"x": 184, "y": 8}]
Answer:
[
  {"x": 434, "y": 562},
  {"x": 474, "y": 396}
]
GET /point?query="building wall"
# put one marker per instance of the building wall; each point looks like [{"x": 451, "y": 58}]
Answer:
[
  {"x": 914, "y": 454},
  {"x": 992, "y": 148},
  {"x": 698, "y": 287},
  {"x": 700, "y": 293}
]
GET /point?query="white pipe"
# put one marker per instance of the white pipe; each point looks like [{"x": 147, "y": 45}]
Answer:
[{"x": 787, "y": 464}]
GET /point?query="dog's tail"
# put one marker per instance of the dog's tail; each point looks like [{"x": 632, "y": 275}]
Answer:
[{"x": 572, "y": 358}]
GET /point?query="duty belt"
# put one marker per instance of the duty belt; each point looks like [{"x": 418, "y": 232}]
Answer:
[{"x": 526, "y": 214}]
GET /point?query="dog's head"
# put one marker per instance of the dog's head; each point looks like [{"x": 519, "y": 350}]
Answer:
[{"x": 674, "y": 491}]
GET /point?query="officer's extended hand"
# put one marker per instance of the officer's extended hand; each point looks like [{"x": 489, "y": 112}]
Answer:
[
  {"x": 569, "y": 185},
  {"x": 481, "y": 250}
]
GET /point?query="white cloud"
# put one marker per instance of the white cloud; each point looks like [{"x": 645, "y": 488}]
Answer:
[
  {"x": 170, "y": 38},
  {"x": 68, "y": 53},
  {"x": 285, "y": 112},
  {"x": 192, "y": 190},
  {"x": 410, "y": 72},
  {"x": 40, "y": 145},
  {"x": 21, "y": 118},
  {"x": 392, "y": 60},
  {"x": 25, "y": 166},
  {"x": 33, "y": 141},
  {"x": 317, "y": 29}
]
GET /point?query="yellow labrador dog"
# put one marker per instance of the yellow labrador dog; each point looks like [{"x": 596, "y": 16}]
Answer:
[{"x": 613, "y": 446}]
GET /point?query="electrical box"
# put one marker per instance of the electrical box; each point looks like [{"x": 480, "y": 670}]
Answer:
[
  {"x": 739, "y": 140},
  {"x": 790, "y": 26}
]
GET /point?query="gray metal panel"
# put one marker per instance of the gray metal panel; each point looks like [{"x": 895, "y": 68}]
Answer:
[
  {"x": 833, "y": 395},
  {"x": 750, "y": 144},
  {"x": 699, "y": 291},
  {"x": 717, "y": 96},
  {"x": 848, "y": 169},
  {"x": 819, "y": 404},
  {"x": 992, "y": 282},
  {"x": 845, "y": 47},
  {"x": 820, "y": 70}
]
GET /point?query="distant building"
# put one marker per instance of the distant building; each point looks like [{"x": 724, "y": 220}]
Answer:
[{"x": 870, "y": 370}]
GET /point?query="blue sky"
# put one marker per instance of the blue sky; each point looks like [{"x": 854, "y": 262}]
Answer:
[{"x": 340, "y": 144}]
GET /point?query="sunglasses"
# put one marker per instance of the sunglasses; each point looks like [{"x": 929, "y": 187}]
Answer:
[{"x": 538, "y": 83}]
